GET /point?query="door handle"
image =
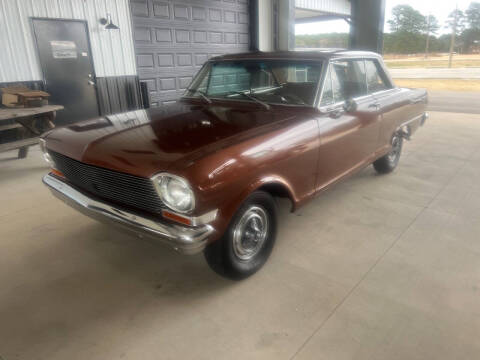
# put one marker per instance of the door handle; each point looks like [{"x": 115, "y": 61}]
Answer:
[
  {"x": 91, "y": 82},
  {"x": 336, "y": 113}
]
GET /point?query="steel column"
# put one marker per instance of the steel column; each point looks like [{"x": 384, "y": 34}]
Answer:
[{"x": 366, "y": 32}]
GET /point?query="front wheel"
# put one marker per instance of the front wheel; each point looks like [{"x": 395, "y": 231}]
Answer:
[
  {"x": 389, "y": 162},
  {"x": 248, "y": 241}
]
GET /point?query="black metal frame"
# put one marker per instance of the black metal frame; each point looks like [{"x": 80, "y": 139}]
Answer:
[
  {"x": 254, "y": 19},
  {"x": 356, "y": 24}
]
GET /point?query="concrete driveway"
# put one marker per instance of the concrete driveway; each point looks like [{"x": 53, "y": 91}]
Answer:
[
  {"x": 380, "y": 267},
  {"x": 454, "y": 101}
]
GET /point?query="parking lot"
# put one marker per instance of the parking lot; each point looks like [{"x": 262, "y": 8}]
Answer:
[{"x": 378, "y": 267}]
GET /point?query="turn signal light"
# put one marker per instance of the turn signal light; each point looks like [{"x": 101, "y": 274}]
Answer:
[
  {"x": 57, "y": 173},
  {"x": 177, "y": 218}
]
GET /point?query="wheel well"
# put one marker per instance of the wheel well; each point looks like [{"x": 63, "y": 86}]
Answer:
[{"x": 278, "y": 190}]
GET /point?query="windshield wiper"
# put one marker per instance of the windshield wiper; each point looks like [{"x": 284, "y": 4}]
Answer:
[
  {"x": 264, "y": 104},
  {"x": 202, "y": 94}
]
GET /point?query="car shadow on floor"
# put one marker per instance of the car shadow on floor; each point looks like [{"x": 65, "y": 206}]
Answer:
[{"x": 92, "y": 274}]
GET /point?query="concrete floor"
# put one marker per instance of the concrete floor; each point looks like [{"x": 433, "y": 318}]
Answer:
[
  {"x": 454, "y": 101},
  {"x": 380, "y": 267}
]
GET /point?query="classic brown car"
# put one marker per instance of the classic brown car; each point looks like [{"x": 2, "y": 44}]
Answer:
[{"x": 202, "y": 174}]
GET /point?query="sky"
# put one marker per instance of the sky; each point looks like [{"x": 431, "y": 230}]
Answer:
[{"x": 439, "y": 8}]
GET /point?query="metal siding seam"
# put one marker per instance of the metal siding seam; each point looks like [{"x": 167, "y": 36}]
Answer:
[{"x": 9, "y": 38}]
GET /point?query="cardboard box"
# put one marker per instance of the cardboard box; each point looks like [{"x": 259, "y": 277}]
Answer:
[{"x": 21, "y": 96}]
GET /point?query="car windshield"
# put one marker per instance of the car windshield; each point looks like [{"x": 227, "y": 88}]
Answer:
[{"x": 290, "y": 82}]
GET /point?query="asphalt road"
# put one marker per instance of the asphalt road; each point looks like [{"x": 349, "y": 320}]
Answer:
[
  {"x": 436, "y": 73},
  {"x": 457, "y": 102}
]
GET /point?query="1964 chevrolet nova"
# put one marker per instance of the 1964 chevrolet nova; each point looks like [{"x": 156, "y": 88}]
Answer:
[{"x": 202, "y": 174}]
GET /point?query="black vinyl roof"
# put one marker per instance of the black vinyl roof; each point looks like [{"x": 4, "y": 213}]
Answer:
[{"x": 307, "y": 54}]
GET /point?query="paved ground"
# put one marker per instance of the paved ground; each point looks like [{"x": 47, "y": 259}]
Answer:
[
  {"x": 449, "y": 101},
  {"x": 436, "y": 73},
  {"x": 381, "y": 267}
]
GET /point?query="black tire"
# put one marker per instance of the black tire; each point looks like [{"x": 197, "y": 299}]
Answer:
[
  {"x": 389, "y": 162},
  {"x": 223, "y": 255},
  {"x": 23, "y": 152}
]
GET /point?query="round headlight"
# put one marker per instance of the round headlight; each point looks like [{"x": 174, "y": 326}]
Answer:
[{"x": 175, "y": 192}]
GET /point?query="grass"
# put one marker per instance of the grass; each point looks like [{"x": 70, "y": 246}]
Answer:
[
  {"x": 399, "y": 64},
  {"x": 440, "y": 84}
]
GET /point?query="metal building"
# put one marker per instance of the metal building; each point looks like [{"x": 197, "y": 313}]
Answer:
[{"x": 68, "y": 47}]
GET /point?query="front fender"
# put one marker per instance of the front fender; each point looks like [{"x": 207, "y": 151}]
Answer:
[
  {"x": 266, "y": 183},
  {"x": 270, "y": 184}
]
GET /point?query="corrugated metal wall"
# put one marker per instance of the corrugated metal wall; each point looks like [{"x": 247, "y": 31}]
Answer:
[
  {"x": 340, "y": 7},
  {"x": 113, "y": 51}
]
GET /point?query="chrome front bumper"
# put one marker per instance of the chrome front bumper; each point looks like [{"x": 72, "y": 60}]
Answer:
[{"x": 184, "y": 239}]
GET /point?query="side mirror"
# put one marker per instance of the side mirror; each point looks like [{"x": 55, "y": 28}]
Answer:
[{"x": 350, "y": 106}]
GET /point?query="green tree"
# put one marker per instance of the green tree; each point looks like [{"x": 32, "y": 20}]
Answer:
[
  {"x": 473, "y": 16},
  {"x": 442, "y": 43},
  {"x": 456, "y": 21},
  {"x": 406, "y": 19},
  {"x": 404, "y": 43},
  {"x": 431, "y": 26},
  {"x": 469, "y": 38},
  {"x": 332, "y": 40}
]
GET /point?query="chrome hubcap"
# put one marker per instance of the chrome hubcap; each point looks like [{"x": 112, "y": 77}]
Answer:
[
  {"x": 396, "y": 147},
  {"x": 250, "y": 233}
]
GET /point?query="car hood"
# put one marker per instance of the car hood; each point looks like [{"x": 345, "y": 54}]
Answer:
[{"x": 144, "y": 142}]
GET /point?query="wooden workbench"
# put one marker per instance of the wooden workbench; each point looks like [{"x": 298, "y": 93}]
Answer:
[{"x": 31, "y": 123}]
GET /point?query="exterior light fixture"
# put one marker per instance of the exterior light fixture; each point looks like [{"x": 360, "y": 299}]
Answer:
[{"x": 109, "y": 25}]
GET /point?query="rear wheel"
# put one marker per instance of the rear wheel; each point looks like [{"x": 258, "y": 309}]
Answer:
[
  {"x": 389, "y": 162},
  {"x": 248, "y": 241}
]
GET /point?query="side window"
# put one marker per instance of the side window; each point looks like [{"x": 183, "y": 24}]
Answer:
[
  {"x": 303, "y": 74},
  {"x": 349, "y": 79},
  {"x": 338, "y": 74},
  {"x": 300, "y": 74},
  {"x": 327, "y": 95},
  {"x": 376, "y": 79},
  {"x": 355, "y": 82}
]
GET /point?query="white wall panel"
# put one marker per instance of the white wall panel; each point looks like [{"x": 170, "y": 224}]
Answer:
[
  {"x": 340, "y": 7},
  {"x": 265, "y": 25},
  {"x": 112, "y": 50}
]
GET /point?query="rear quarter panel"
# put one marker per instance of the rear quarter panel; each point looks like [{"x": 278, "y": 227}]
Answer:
[{"x": 399, "y": 106}]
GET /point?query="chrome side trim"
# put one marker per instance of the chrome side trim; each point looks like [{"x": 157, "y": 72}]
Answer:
[
  {"x": 204, "y": 219},
  {"x": 187, "y": 240}
]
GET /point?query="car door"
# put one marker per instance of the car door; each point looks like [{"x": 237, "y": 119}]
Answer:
[
  {"x": 347, "y": 139},
  {"x": 393, "y": 105}
]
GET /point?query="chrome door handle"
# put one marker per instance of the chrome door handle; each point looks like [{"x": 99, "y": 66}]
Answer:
[
  {"x": 90, "y": 82},
  {"x": 336, "y": 113}
]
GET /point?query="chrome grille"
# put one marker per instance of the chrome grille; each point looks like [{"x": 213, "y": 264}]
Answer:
[{"x": 133, "y": 191}]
